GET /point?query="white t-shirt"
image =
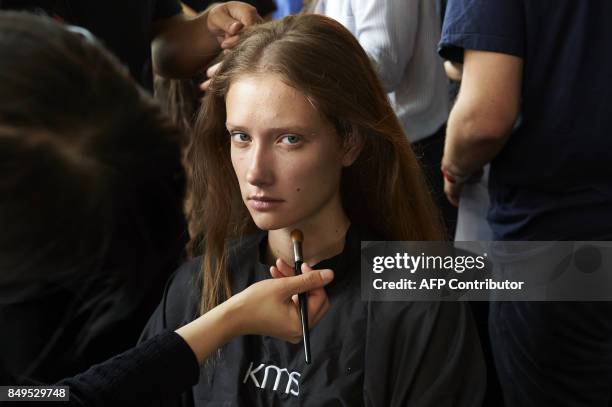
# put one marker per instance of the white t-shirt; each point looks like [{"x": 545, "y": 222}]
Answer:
[{"x": 401, "y": 38}]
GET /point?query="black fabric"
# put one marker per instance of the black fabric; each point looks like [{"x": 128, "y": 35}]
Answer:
[
  {"x": 136, "y": 376},
  {"x": 264, "y": 7},
  {"x": 364, "y": 353},
  {"x": 553, "y": 354},
  {"x": 68, "y": 324},
  {"x": 125, "y": 27},
  {"x": 162, "y": 363},
  {"x": 102, "y": 309}
]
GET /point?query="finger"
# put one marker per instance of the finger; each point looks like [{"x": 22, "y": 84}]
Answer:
[
  {"x": 284, "y": 268},
  {"x": 317, "y": 291},
  {"x": 204, "y": 86},
  {"x": 243, "y": 13},
  {"x": 307, "y": 282},
  {"x": 235, "y": 28},
  {"x": 221, "y": 19},
  {"x": 213, "y": 69},
  {"x": 295, "y": 339},
  {"x": 230, "y": 42},
  {"x": 275, "y": 273},
  {"x": 306, "y": 268}
]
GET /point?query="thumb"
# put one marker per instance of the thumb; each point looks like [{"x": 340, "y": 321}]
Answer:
[{"x": 306, "y": 282}]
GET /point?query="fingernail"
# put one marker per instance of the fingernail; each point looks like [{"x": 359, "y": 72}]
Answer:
[{"x": 326, "y": 275}]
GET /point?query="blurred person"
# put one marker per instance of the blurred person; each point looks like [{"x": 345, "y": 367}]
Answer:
[
  {"x": 532, "y": 103},
  {"x": 91, "y": 202},
  {"x": 153, "y": 34},
  {"x": 288, "y": 7}
]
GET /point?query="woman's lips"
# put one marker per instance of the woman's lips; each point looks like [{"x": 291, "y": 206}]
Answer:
[{"x": 264, "y": 204}]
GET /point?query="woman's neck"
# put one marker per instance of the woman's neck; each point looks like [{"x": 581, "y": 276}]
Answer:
[{"x": 323, "y": 238}]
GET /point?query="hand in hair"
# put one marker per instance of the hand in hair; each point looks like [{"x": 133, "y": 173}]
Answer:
[
  {"x": 210, "y": 73},
  {"x": 226, "y": 20},
  {"x": 183, "y": 45}
]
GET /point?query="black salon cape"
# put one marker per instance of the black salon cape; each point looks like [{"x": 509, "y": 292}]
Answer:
[{"x": 364, "y": 353}]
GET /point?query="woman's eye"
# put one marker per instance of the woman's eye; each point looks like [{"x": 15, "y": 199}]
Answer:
[
  {"x": 241, "y": 137},
  {"x": 290, "y": 139}
]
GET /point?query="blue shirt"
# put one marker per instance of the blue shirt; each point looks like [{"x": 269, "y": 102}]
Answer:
[
  {"x": 552, "y": 181},
  {"x": 287, "y": 7}
]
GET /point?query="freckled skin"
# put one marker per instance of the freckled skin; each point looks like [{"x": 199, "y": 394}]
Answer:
[{"x": 279, "y": 140}]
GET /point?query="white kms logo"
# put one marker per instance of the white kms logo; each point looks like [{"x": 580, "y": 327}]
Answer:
[{"x": 292, "y": 385}]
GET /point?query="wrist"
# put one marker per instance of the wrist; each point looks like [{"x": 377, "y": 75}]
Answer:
[
  {"x": 231, "y": 312},
  {"x": 206, "y": 32},
  {"x": 452, "y": 175},
  {"x": 209, "y": 332}
]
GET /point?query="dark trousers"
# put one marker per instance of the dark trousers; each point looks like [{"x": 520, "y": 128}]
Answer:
[{"x": 553, "y": 353}]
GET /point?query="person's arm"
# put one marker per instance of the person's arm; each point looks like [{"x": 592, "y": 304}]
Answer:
[
  {"x": 168, "y": 364},
  {"x": 386, "y": 29},
  {"x": 182, "y": 45},
  {"x": 484, "y": 114},
  {"x": 264, "y": 308}
]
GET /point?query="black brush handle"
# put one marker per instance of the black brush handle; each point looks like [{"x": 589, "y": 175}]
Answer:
[{"x": 303, "y": 315}]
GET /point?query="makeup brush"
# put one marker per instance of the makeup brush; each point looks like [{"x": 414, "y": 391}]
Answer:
[{"x": 297, "y": 237}]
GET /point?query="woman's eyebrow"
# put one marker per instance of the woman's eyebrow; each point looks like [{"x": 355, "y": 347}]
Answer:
[
  {"x": 233, "y": 126},
  {"x": 279, "y": 129},
  {"x": 290, "y": 129}
]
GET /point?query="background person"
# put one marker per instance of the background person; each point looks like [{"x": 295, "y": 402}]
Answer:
[
  {"x": 532, "y": 104},
  {"x": 153, "y": 34}
]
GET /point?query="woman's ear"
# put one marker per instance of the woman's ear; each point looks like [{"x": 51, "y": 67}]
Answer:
[{"x": 353, "y": 143}]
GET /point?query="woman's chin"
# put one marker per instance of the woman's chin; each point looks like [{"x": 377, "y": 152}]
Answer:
[{"x": 267, "y": 222}]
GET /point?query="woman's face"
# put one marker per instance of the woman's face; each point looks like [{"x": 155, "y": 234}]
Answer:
[{"x": 287, "y": 158}]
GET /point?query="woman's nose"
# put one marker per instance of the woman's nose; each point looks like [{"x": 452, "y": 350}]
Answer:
[{"x": 260, "y": 171}]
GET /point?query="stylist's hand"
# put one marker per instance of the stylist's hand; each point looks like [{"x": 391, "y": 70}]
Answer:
[
  {"x": 267, "y": 307},
  {"x": 226, "y": 20},
  {"x": 210, "y": 73}
]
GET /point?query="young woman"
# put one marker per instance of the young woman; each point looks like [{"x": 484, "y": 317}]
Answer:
[{"x": 297, "y": 132}]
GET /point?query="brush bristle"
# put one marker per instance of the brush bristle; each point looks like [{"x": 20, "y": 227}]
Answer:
[{"x": 297, "y": 236}]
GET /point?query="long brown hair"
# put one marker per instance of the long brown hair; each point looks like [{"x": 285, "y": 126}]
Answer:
[{"x": 383, "y": 190}]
